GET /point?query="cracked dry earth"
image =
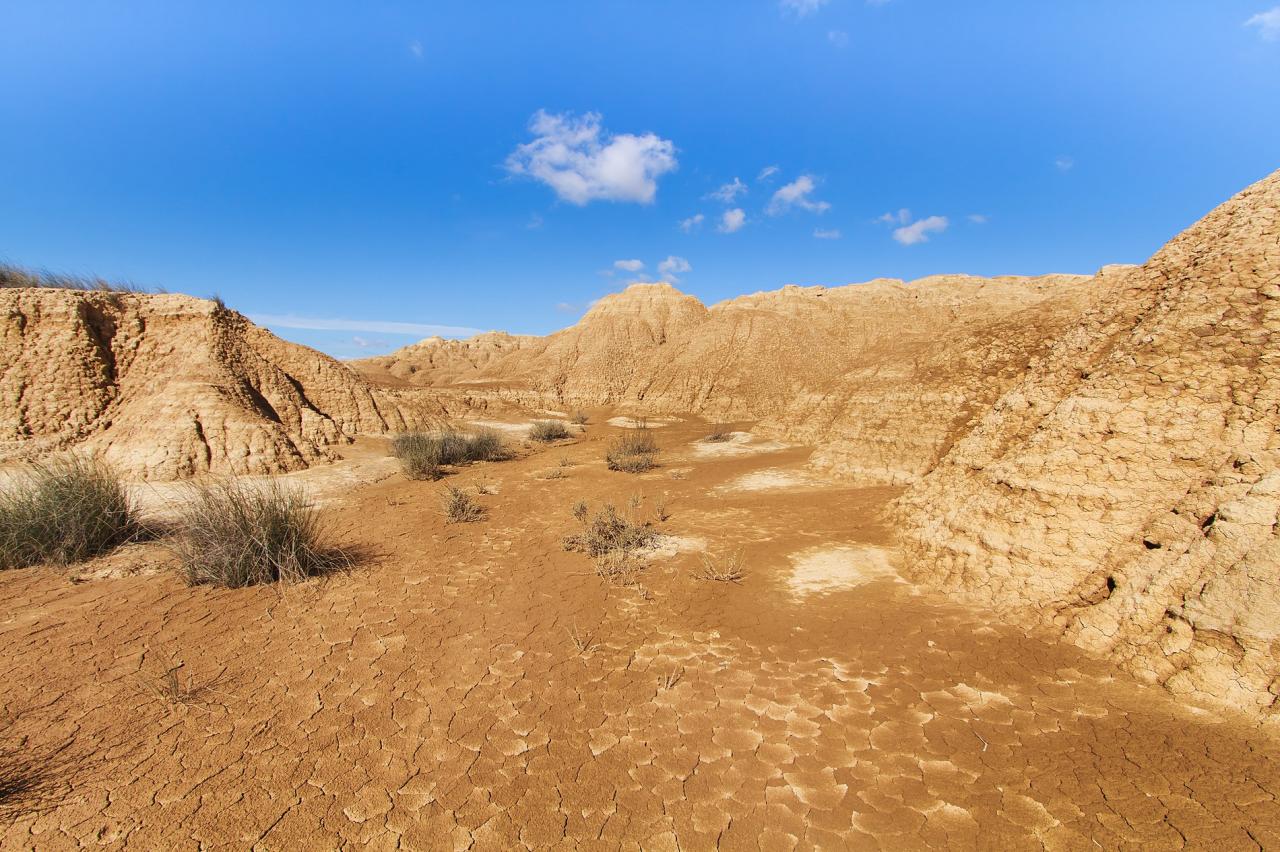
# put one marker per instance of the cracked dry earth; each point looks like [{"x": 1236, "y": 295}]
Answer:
[{"x": 475, "y": 686}]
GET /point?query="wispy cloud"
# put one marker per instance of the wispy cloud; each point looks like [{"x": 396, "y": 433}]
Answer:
[
  {"x": 582, "y": 162},
  {"x": 692, "y": 223},
  {"x": 918, "y": 232},
  {"x": 826, "y": 234},
  {"x": 1065, "y": 164},
  {"x": 979, "y": 218},
  {"x": 839, "y": 38},
  {"x": 416, "y": 48},
  {"x": 673, "y": 267},
  {"x": 732, "y": 221},
  {"x": 767, "y": 172},
  {"x": 375, "y": 326},
  {"x": 729, "y": 192},
  {"x": 797, "y": 194},
  {"x": 534, "y": 223},
  {"x": 802, "y": 7},
  {"x": 357, "y": 340},
  {"x": 1268, "y": 24},
  {"x": 629, "y": 265},
  {"x": 902, "y": 217}
]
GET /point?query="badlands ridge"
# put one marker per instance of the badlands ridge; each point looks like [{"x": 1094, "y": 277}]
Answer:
[{"x": 1096, "y": 455}]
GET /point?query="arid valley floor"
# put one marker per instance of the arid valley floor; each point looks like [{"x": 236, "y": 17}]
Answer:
[{"x": 1005, "y": 573}]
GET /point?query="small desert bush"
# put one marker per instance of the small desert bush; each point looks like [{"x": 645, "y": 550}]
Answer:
[
  {"x": 547, "y": 431},
  {"x": 634, "y": 451},
  {"x": 607, "y": 532},
  {"x": 579, "y": 418},
  {"x": 15, "y": 277},
  {"x": 423, "y": 455},
  {"x": 234, "y": 534},
  {"x": 459, "y": 507},
  {"x": 719, "y": 434},
  {"x": 64, "y": 511},
  {"x": 725, "y": 569}
]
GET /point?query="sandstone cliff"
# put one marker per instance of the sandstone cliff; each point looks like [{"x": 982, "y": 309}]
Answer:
[
  {"x": 1126, "y": 489},
  {"x": 882, "y": 376},
  {"x": 166, "y": 386}
]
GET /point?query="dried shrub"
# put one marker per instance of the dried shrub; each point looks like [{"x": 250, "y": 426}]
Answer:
[
  {"x": 607, "y": 532},
  {"x": 424, "y": 455},
  {"x": 726, "y": 569},
  {"x": 720, "y": 433},
  {"x": 579, "y": 418},
  {"x": 65, "y": 511},
  {"x": 459, "y": 506},
  {"x": 546, "y": 431},
  {"x": 634, "y": 451}
]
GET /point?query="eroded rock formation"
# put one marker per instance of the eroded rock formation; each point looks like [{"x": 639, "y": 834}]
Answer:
[{"x": 167, "y": 386}]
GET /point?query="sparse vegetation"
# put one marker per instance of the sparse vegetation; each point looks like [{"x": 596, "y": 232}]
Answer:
[
  {"x": 720, "y": 433},
  {"x": 546, "y": 431},
  {"x": 607, "y": 532},
  {"x": 233, "y": 534},
  {"x": 634, "y": 451},
  {"x": 459, "y": 507},
  {"x": 173, "y": 689},
  {"x": 64, "y": 511},
  {"x": 579, "y": 418},
  {"x": 660, "y": 509},
  {"x": 12, "y": 277},
  {"x": 424, "y": 455},
  {"x": 727, "y": 569},
  {"x": 583, "y": 643}
]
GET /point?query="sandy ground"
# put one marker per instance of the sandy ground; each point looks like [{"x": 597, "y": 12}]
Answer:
[{"x": 475, "y": 686}]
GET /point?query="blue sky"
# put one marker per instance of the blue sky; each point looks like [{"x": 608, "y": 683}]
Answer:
[{"x": 374, "y": 170}]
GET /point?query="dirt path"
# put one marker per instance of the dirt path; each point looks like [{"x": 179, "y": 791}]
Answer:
[{"x": 475, "y": 686}]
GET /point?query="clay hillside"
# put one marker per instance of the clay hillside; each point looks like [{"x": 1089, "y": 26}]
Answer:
[{"x": 166, "y": 386}]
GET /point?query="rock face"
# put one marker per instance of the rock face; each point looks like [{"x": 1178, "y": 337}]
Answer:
[
  {"x": 882, "y": 376},
  {"x": 1126, "y": 489},
  {"x": 167, "y": 386}
]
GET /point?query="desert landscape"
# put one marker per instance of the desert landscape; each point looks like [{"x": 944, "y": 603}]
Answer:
[{"x": 949, "y": 563}]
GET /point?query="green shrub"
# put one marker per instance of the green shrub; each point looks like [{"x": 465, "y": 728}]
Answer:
[
  {"x": 64, "y": 511},
  {"x": 423, "y": 455},
  {"x": 547, "y": 431},
  {"x": 234, "y": 534}
]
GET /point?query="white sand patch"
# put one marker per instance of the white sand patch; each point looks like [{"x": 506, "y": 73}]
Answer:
[
  {"x": 739, "y": 444},
  {"x": 521, "y": 429},
  {"x": 667, "y": 546},
  {"x": 642, "y": 422},
  {"x": 771, "y": 479},
  {"x": 829, "y": 569}
]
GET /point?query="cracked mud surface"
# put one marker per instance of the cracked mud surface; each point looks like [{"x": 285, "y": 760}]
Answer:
[{"x": 436, "y": 697}]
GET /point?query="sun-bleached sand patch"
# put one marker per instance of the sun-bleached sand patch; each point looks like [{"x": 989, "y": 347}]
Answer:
[
  {"x": 738, "y": 444},
  {"x": 770, "y": 480},
  {"x": 521, "y": 429},
  {"x": 830, "y": 569},
  {"x": 668, "y": 546},
  {"x": 642, "y": 422}
]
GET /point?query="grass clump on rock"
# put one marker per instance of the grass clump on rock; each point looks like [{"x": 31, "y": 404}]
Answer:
[
  {"x": 64, "y": 511},
  {"x": 423, "y": 455},
  {"x": 234, "y": 534},
  {"x": 546, "y": 431},
  {"x": 634, "y": 452}
]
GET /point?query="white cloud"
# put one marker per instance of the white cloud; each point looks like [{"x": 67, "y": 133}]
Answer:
[
  {"x": 1065, "y": 164},
  {"x": 566, "y": 308},
  {"x": 535, "y": 222},
  {"x": 839, "y": 38},
  {"x": 802, "y": 7},
  {"x": 979, "y": 218},
  {"x": 583, "y": 162},
  {"x": 729, "y": 192},
  {"x": 830, "y": 234},
  {"x": 796, "y": 194},
  {"x": 918, "y": 232},
  {"x": 672, "y": 267},
  {"x": 378, "y": 326},
  {"x": 767, "y": 172},
  {"x": 732, "y": 221},
  {"x": 902, "y": 217},
  {"x": 1268, "y": 24},
  {"x": 415, "y": 47},
  {"x": 692, "y": 223},
  {"x": 629, "y": 265}
]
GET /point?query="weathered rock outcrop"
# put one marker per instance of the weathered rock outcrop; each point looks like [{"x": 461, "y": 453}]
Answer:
[
  {"x": 167, "y": 386},
  {"x": 882, "y": 376},
  {"x": 1127, "y": 489}
]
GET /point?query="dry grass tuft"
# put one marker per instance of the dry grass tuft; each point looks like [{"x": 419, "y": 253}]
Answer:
[
  {"x": 671, "y": 678},
  {"x": 583, "y": 643},
  {"x": 546, "y": 431},
  {"x": 608, "y": 532},
  {"x": 232, "y": 534},
  {"x": 579, "y": 418},
  {"x": 720, "y": 433},
  {"x": 660, "y": 509},
  {"x": 635, "y": 451},
  {"x": 728, "y": 569},
  {"x": 14, "y": 277},
  {"x": 459, "y": 507},
  {"x": 65, "y": 511},
  {"x": 424, "y": 455}
]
